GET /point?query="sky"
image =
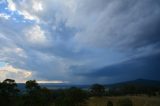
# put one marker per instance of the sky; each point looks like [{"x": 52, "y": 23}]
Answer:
[{"x": 79, "y": 41}]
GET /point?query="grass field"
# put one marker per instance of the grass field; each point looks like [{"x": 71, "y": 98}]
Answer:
[{"x": 136, "y": 100}]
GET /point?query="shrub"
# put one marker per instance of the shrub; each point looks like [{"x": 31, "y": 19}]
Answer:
[{"x": 97, "y": 90}]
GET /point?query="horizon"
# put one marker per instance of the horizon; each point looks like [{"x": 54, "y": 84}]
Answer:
[
  {"x": 67, "y": 83},
  {"x": 79, "y": 41}
]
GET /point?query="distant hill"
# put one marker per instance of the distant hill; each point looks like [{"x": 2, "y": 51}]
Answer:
[
  {"x": 141, "y": 82},
  {"x": 52, "y": 86}
]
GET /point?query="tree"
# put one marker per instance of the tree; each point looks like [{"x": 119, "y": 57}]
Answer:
[
  {"x": 97, "y": 90},
  {"x": 36, "y": 96},
  {"x": 32, "y": 85},
  {"x": 10, "y": 87},
  {"x": 32, "y": 97},
  {"x": 46, "y": 97},
  {"x": 72, "y": 97},
  {"x": 8, "y": 92}
]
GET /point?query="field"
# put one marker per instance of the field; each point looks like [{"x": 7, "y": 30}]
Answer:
[{"x": 136, "y": 100}]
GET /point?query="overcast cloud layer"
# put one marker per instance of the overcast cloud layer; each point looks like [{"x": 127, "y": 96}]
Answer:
[{"x": 79, "y": 41}]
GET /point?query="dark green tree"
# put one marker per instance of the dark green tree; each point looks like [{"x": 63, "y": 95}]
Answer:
[
  {"x": 31, "y": 97},
  {"x": 46, "y": 97},
  {"x": 8, "y": 92},
  {"x": 32, "y": 85},
  {"x": 36, "y": 96},
  {"x": 72, "y": 97},
  {"x": 97, "y": 90}
]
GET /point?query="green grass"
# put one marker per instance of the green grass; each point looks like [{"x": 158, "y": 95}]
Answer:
[{"x": 136, "y": 100}]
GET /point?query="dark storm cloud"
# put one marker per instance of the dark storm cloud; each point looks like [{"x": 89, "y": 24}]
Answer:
[
  {"x": 142, "y": 67},
  {"x": 149, "y": 34},
  {"x": 74, "y": 39},
  {"x": 125, "y": 24}
]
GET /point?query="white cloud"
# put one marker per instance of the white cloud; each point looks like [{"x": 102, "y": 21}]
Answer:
[
  {"x": 28, "y": 16},
  {"x": 20, "y": 75},
  {"x": 10, "y": 51},
  {"x": 36, "y": 35},
  {"x": 48, "y": 11},
  {"x": 24, "y": 7},
  {"x": 11, "y": 5},
  {"x": 37, "y": 6},
  {"x": 5, "y": 16}
]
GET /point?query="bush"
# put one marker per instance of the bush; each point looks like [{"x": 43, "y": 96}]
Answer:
[
  {"x": 97, "y": 90},
  {"x": 72, "y": 97}
]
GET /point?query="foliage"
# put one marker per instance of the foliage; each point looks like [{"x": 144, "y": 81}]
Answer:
[
  {"x": 8, "y": 92},
  {"x": 32, "y": 85},
  {"x": 36, "y": 96},
  {"x": 97, "y": 90},
  {"x": 134, "y": 89},
  {"x": 72, "y": 97}
]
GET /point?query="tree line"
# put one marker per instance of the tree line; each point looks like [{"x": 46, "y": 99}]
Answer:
[{"x": 35, "y": 95}]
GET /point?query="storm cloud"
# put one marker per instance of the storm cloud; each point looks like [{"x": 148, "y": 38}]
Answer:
[
  {"x": 78, "y": 40},
  {"x": 146, "y": 67}
]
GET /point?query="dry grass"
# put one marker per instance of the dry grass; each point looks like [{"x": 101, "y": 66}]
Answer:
[{"x": 136, "y": 100}]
